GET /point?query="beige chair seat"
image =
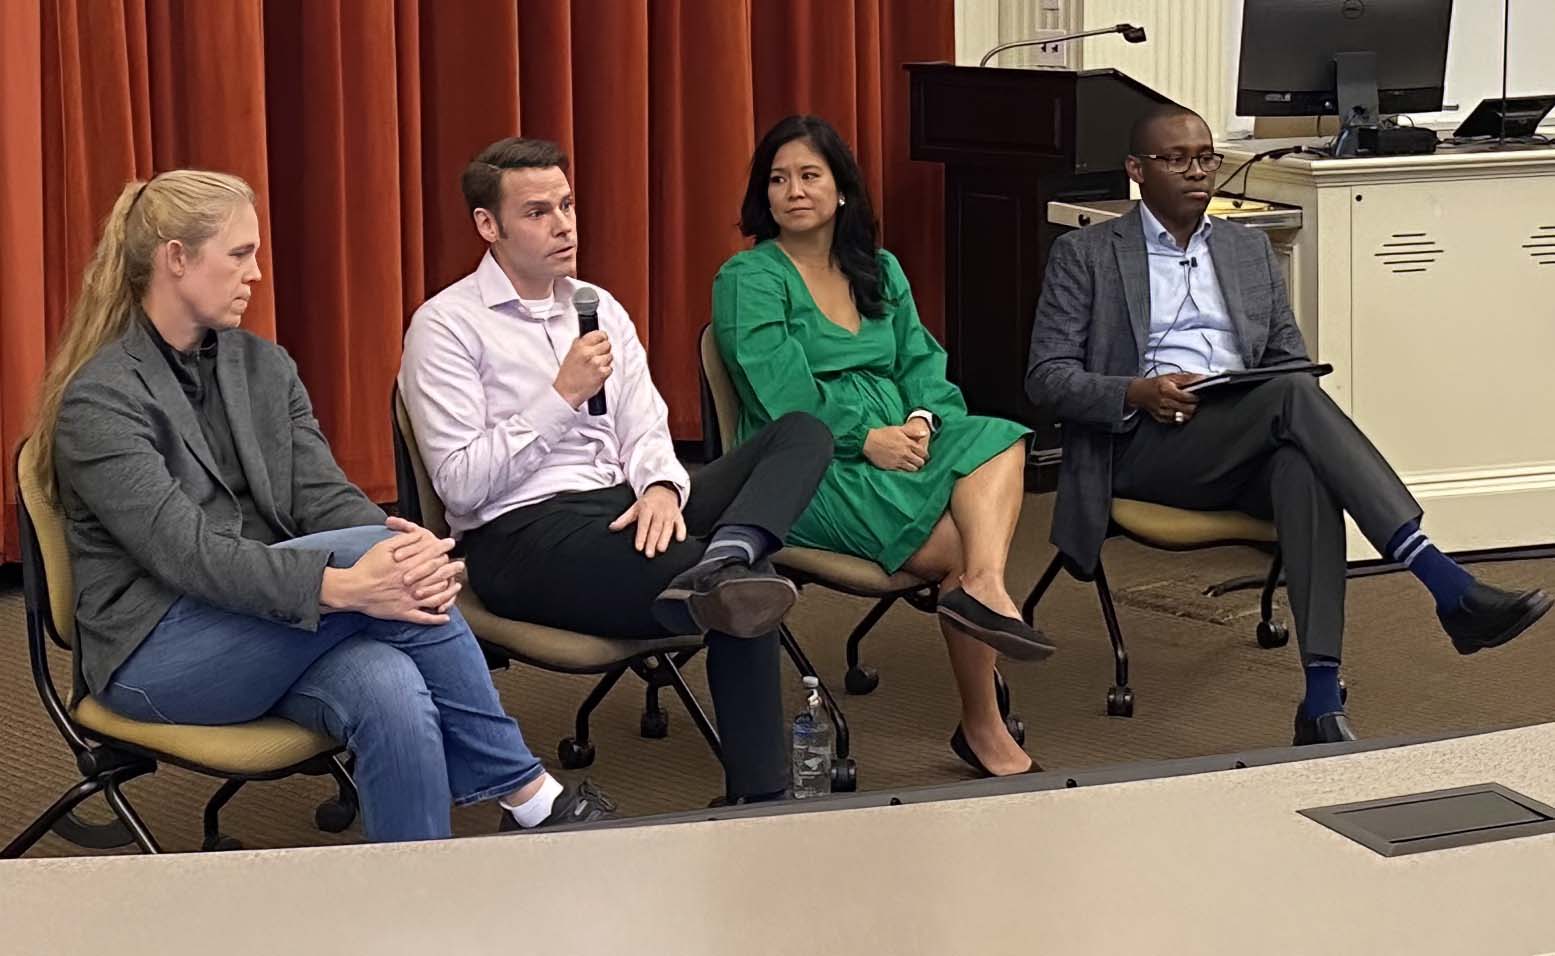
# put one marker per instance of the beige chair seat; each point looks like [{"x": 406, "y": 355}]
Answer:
[
  {"x": 844, "y": 572},
  {"x": 1178, "y": 529},
  {"x": 555, "y": 649},
  {"x": 263, "y": 746}
]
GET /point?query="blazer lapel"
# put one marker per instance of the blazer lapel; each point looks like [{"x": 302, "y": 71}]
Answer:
[
  {"x": 1228, "y": 272},
  {"x": 233, "y": 380},
  {"x": 152, "y": 369},
  {"x": 1128, "y": 242}
]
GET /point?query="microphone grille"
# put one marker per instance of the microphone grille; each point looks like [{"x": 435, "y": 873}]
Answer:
[{"x": 586, "y": 301}]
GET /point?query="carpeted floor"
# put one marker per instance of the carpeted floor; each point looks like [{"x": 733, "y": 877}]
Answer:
[{"x": 1202, "y": 687}]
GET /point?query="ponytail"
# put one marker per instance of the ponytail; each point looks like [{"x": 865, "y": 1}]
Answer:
[{"x": 189, "y": 205}]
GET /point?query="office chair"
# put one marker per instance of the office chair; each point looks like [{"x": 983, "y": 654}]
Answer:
[
  {"x": 837, "y": 572},
  {"x": 110, "y": 750},
  {"x": 656, "y": 660},
  {"x": 1169, "y": 529}
]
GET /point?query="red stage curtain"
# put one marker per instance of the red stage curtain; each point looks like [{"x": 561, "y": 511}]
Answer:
[{"x": 353, "y": 118}]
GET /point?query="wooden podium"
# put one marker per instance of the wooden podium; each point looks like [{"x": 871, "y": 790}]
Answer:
[{"x": 1012, "y": 141}]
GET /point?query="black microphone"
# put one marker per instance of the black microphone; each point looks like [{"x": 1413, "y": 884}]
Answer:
[
  {"x": 1192, "y": 263},
  {"x": 586, "y": 301}
]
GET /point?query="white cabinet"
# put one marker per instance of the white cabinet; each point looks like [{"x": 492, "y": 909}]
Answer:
[{"x": 1429, "y": 283}]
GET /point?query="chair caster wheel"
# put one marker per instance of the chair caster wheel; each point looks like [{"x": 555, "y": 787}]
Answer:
[
  {"x": 1017, "y": 729},
  {"x": 220, "y": 843},
  {"x": 573, "y": 755},
  {"x": 844, "y": 776},
  {"x": 1120, "y": 702},
  {"x": 333, "y": 816},
  {"x": 655, "y": 725},
  {"x": 1271, "y": 635},
  {"x": 861, "y": 680}
]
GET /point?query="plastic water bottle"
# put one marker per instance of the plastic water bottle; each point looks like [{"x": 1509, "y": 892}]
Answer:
[{"x": 813, "y": 736}]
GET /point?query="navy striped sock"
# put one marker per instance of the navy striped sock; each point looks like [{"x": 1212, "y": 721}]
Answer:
[
  {"x": 741, "y": 542},
  {"x": 1322, "y": 689},
  {"x": 1445, "y": 579}
]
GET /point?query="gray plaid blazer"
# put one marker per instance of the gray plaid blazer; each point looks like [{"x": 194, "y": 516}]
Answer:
[{"x": 1088, "y": 341}]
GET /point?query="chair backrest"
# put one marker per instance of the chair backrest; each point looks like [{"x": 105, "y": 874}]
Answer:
[
  {"x": 48, "y": 583},
  {"x": 418, "y": 501},
  {"x": 726, "y": 401}
]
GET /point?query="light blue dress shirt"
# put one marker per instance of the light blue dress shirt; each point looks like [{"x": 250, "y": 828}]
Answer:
[{"x": 1190, "y": 329}]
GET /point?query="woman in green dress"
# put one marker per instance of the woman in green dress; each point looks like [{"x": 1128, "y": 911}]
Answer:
[{"x": 818, "y": 318}]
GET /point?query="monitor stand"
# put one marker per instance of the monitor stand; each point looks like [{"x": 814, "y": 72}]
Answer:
[{"x": 1355, "y": 82}]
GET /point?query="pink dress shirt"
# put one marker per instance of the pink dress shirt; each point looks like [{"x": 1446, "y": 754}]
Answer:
[{"x": 477, "y": 377}]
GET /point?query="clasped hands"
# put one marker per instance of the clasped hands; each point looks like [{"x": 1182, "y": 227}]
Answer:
[
  {"x": 408, "y": 577},
  {"x": 903, "y": 447}
]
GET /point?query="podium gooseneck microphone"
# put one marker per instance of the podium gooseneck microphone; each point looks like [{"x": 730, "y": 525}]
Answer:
[
  {"x": 586, "y": 301},
  {"x": 1130, "y": 33}
]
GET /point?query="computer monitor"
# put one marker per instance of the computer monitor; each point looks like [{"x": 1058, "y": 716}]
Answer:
[{"x": 1354, "y": 59}]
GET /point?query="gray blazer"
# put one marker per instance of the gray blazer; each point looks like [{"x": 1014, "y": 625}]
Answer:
[
  {"x": 1093, "y": 321},
  {"x": 149, "y": 518}
]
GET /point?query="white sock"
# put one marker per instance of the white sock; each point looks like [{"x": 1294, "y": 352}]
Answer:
[{"x": 532, "y": 812}]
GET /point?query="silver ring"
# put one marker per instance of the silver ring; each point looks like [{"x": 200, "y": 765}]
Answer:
[{"x": 1177, "y": 417}]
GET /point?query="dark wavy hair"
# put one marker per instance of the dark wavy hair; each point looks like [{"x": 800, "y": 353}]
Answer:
[{"x": 856, "y": 235}]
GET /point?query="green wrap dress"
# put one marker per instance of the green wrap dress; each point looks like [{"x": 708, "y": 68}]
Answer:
[{"x": 785, "y": 355}]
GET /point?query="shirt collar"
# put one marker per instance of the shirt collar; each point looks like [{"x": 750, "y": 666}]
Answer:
[
  {"x": 206, "y": 348},
  {"x": 497, "y": 290},
  {"x": 186, "y": 366},
  {"x": 1157, "y": 233}
]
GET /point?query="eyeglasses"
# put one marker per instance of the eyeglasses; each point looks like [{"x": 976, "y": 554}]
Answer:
[{"x": 1209, "y": 162}]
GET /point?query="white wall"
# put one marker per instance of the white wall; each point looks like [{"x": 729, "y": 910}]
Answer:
[
  {"x": 983, "y": 24},
  {"x": 1184, "y": 56},
  {"x": 1191, "y": 55},
  {"x": 1474, "y": 53}
]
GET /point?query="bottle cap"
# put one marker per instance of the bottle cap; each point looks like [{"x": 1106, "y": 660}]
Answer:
[{"x": 812, "y": 682}]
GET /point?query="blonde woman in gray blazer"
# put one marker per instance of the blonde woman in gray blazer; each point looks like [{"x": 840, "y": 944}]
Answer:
[{"x": 224, "y": 567}]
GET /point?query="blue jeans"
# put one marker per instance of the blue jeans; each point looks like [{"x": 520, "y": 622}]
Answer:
[{"x": 414, "y": 703}]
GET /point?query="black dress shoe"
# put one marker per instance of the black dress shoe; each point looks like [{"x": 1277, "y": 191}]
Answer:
[
  {"x": 1331, "y": 728},
  {"x": 1489, "y": 617},
  {"x": 583, "y": 803},
  {"x": 730, "y": 597},
  {"x": 958, "y": 743},
  {"x": 1010, "y": 636}
]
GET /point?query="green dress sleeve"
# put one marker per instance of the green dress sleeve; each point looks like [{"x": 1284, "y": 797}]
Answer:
[
  {"x": 920, "y": 360},
  {"x": 768, "y": 365}
]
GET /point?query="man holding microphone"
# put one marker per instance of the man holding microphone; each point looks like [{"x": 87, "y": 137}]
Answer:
[{"x": 551, "y": 451}]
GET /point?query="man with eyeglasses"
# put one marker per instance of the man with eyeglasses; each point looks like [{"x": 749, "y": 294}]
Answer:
[{"x": 1135, "y": 310}]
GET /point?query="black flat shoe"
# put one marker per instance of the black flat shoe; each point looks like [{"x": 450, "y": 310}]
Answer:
[
  {"x": 1010, "y": 636},
  {"x": 962, "y": 749},
  {"x": 730, "y": 597},
  {"x": 1331, "y": 728},
  {"x": 583, "y": 803},
  {"x": 1489, "y": 617}
]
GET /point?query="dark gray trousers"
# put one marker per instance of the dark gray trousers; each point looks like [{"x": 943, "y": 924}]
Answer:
[
  {"x": 1284, "y": 451},
  {"x": 558, "y": 563}
]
